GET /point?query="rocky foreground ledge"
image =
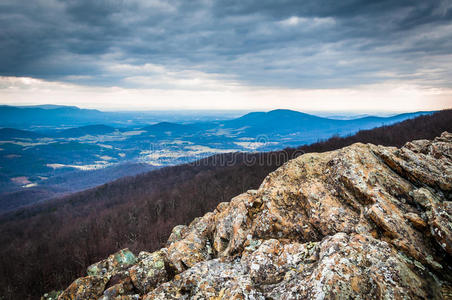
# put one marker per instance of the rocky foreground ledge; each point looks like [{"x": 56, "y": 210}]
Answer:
[{"x": 363, "y": 222}]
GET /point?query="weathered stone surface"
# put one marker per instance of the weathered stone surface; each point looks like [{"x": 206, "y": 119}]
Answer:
[
  {"x": 123, "y": 297},
  {"x": 177, "y": 234},
  {"x": 354, "y": 267},
  {"x": 89, "y": 287},
  {"x": 362, "y": 222},
  {"x": 195, "y": 246},
  {"x": 272, "y": 260},
  {"x": 150, "y": 271},
  {"x": 119, "y": 261},
  {"x": 232, "y": 224},
  {"x": 120, "y": 285},
  {"x": 212, "y": 279}
]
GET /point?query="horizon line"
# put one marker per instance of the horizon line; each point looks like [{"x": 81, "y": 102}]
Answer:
[{"x": 144, "y": 110}]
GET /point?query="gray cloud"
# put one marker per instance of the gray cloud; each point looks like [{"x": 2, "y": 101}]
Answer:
[{"x": 287, "y": 43}]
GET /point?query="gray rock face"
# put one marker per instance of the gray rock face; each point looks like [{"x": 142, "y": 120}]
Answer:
[
  {"x": 362, "y": 222},
  {"x": 150, "y": 271}
]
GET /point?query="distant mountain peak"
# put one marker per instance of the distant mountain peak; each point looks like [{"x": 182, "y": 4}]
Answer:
[{"x": 50, "y": 106}]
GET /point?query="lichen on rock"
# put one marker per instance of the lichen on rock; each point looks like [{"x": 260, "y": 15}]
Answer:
[
  {"x": 121, "y": 260},
  {"x": 89, "y": 287},
  {"x": 150, "y": 271}
]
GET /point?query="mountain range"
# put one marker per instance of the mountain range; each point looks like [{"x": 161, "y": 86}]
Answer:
[
  {"x": 31, "y": 160},
  {"x": 59, "y": 116}
]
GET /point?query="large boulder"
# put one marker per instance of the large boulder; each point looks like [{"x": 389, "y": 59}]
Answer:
[
  {"x": 151, "y": 270},
  {"x": 196, "y": 246},
  {"x": 116, "y": 262},
  {"x": 362, "y": 222},
  {"x": 89, "y": 287}
]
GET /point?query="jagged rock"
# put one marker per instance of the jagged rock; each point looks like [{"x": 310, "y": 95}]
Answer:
[
  {"x": 220, "y": 278},
  {"x": 354, "y": 267},
  {"x": 177, "y": 234},
  {"x": 439, "y": 215},
  {"x": 272, "y": 260},
  {"x": 340, "y": 266},
  {"x": 195, "y": 246},
  {"x": 123, "y": 297},
  {"x": 89, "y": 287},
  {"x": 150, "y": 271},
  {"x": 232, "y": 224},
  {"x": 119, "y": 261},
  {"x": 118, "y": 290},
  {"x": 362, "y": 222},
  {"x": 120, "y": 285}
]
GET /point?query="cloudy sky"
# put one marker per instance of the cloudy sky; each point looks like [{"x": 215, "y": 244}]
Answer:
[{"x": 361, "y": 55}]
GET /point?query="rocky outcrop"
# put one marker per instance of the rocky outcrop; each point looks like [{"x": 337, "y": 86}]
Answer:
[{"x": 362, "y": 222}]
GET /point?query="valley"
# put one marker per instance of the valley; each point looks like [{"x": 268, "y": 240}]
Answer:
[{"x": 42, "y": 163}]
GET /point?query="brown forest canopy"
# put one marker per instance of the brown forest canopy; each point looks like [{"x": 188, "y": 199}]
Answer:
[{"x": 46, "y": 246}]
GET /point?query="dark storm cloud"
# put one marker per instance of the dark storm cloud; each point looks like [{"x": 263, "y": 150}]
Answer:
[{"x": 287, "y": 43}]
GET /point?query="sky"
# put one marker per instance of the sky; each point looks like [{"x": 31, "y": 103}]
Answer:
[{"x": 312, "y": 55}]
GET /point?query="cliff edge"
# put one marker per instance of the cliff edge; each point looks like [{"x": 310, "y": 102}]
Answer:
[{"x": 362, "y": 222}]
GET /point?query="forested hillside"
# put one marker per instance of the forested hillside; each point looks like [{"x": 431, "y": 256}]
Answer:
[{"x": 46, "y": 246}]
